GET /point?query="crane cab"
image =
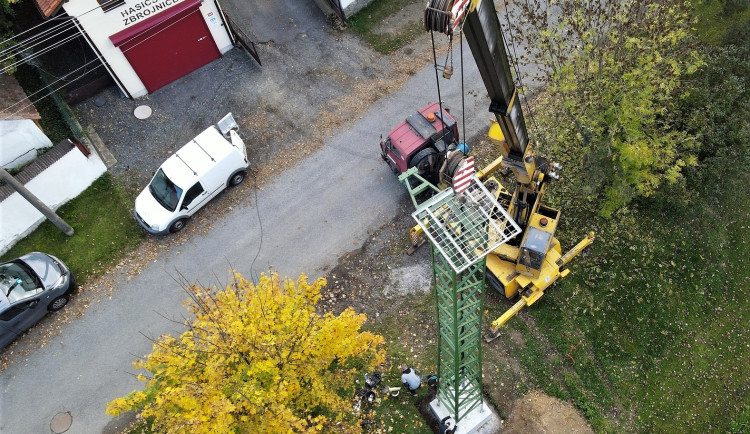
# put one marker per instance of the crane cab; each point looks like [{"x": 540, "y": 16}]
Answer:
[{"x": 537, "y": 241}]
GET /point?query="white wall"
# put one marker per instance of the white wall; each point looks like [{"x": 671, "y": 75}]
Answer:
[
  {"x": 100, "y": 25},
  {"x": 351, "y": 7},
  {"x": 61, "y": 182},
  {"x": 19, "y": 141}
]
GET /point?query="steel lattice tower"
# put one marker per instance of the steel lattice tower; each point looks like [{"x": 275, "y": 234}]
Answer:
[
  {"x": 459, "y": 310},
  {"x": 462, "y": 228}
]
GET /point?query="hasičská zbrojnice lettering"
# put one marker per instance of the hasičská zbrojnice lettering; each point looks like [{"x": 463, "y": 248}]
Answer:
[{"x": 145, "y": 9}]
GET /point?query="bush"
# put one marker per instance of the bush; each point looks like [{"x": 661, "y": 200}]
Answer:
[{"x": 731, "y": 7}]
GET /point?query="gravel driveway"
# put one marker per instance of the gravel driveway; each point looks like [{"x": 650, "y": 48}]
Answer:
[{"x": 315, "y": 78}]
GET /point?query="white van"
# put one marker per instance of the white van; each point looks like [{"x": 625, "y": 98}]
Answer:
[{"x": 200, "y": 170}]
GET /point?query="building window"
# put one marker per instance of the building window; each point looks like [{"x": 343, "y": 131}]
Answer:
[{"x": 108, "y": 5}]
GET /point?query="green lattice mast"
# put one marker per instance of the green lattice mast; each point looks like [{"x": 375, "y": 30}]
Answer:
[{"x": 463, "y": 228}]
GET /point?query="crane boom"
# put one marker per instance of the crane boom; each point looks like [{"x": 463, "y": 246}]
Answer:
[
  {"x": 527, "y": 265},
  {"x": 485, "y": 39}
]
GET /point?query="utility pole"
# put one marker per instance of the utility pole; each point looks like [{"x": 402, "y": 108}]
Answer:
[{"x": 38, "y": 204}]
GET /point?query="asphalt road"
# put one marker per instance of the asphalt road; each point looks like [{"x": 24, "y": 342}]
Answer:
[{"x": 317, "y": 211}]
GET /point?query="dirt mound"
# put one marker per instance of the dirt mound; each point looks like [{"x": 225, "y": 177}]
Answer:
[{"x": 540, "y": 413}]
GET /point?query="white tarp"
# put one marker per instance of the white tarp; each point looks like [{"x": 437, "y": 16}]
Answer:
[{"x": 19, "y": 142}]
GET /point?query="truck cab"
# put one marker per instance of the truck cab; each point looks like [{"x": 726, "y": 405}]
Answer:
[{"x": 420, "y": 141}]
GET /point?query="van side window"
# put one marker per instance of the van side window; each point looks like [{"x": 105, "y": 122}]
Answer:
[{"x": 192, "y": 193}]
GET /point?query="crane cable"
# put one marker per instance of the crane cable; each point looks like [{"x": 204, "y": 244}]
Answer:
[
  {"x": 437, "y": 79},
  {"x": 463, "y": 93},
  {"x": 437, "y": 18}
]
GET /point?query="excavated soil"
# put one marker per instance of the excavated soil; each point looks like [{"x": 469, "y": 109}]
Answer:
[{"x": 543, "y": 414}]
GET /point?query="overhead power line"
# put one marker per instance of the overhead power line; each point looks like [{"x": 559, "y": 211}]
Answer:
[
  {"x": 22, "y": 45},
  {"x": 36, "y": 54},
  {"x": 87, "y": 72},
  {"x": 68, "y": 18},
  {"x": 56, "y": 81},
  {"x": 35, "y": 41}
]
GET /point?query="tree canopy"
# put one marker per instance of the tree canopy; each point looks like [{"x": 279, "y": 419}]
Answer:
[
  {"x": 6, "y": 33},
  {"x": 256, "y": 358},
  {"x": 613, "y": 71}
]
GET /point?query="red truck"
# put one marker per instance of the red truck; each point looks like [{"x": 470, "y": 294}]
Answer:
[{"x": 421, "y": 141}]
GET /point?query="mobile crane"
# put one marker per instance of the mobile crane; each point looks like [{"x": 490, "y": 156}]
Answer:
[{"x": 523, "y": 268}]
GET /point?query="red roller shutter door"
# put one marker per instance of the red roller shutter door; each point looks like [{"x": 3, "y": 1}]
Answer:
[{"x": 168, "y": 45}]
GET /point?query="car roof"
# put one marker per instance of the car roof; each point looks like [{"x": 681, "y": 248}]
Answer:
[{"x": 194, "y": 159}]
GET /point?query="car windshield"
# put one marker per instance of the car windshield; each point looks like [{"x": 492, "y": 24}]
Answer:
[
  {"x": 17, "y": 282},
  {"x": 165, "y": 191}
]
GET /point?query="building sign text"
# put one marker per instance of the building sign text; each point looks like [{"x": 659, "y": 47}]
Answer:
[{"x": 144, "y": 9}]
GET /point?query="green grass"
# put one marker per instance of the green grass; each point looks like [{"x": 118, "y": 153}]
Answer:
[
  {"x": 375, "y": 15},
  {"x": 105, "y": 231},
  {"x": 657, "y": 316},
  {"x": 401, "y": 413},
  {"x": 712, "y": 22},
  {"x": 655, "y": 320}
]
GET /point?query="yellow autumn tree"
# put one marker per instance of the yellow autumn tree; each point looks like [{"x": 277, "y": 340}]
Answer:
[{"x": 256, "y": 358}]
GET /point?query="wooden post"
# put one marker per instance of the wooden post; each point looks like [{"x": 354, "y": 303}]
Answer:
[{"x": 38, "y": 204}]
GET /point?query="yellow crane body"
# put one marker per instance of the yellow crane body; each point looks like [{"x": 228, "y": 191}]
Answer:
[{"x": 522, "y": 271}]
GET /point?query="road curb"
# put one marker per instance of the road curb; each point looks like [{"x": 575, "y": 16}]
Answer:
[{"x": 98, "y": 144}]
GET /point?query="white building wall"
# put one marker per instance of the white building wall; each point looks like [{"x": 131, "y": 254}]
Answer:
[
  {"x": 58, "y": 184},
  {"x": 100, "y": 25},
  {"x": 19, "y": 141},
  {"x": 351, "y": 7}
]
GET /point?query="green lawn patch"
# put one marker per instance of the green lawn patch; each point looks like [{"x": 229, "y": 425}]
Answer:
[
  {"x": 105, "y": 231},
  {"x": 653, "y": 324},
  {"x": 401, "y": 414},
  {"x": 713, "y": 16},
  {"x": 376, "y": 15}
]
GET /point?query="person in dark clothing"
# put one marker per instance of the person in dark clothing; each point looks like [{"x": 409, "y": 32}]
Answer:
[{"x": 447, "y": 426}]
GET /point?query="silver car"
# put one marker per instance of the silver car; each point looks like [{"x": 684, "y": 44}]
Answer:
[{"x": 31, "y": 286}]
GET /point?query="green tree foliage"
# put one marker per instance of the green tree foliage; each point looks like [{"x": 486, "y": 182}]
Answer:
[
  {"x": 717, "y": 108},
  {"x": 6, "y": 32},
  {"x": 256, "y": 358},
  {"x": 731, "y": 7},
  {"x": 613, "y": 70}
]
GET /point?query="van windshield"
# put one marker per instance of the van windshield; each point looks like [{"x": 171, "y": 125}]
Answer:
[{"x": 165, "y": 191}]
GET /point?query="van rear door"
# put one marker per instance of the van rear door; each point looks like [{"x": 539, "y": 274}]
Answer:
[{"x": 238, "y": 143}]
